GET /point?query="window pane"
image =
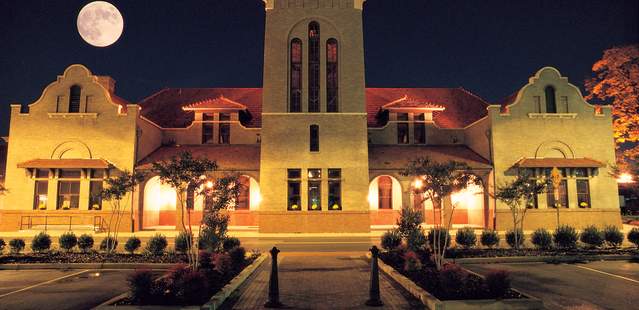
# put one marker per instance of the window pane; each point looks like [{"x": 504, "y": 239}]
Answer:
[
  {"x": 294, "y": 173},
  {"x": 225, "y": 117},
  {"x": 334, "y": 173},
  {"x": 294, "y": 200},
  {"x": 551, "y": 105},
  {"x": 581, "y": 172},
  {"x": 563, "y": 195},
  {"x": 68, "y": 195},
  {"x": 295, "y": 104},
  {"x": 207, "y": 133},
  {"x": 244, "y": 198},
  {"x": 402, "y": 133},
  {"x": 97, "y": 173},
  {"x": 334, "y": 195},
  {"x": 313, "y": 67},
  {"x": 70, "y": 174},
  {"x": 42, "y": 173},
  {"x": 314, "y": 195},
  {"x": 314, "y": 138},
  {"x": 402, "y": 116},
  {"x": 420, "y": 133},
  {"x": 314, "y": 173},
  {"x": 331, "y": 76},
  {"x": 74, "y": 99},
  {"x": 95, "y": 199},
  {"x": 385, "y": 192},
  {"x": 583, "y": 193},
  {"x": 225, "y": 134},
  {"x": 40, "y": 195},
  {"x": 207, "y": 116}
]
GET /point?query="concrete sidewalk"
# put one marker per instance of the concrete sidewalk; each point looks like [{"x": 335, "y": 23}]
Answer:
[{"x": 321, "y": 281}]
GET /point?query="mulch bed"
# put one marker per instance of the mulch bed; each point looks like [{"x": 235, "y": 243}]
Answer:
[
  {"x": 470, "y": 253},
  {"x": 91, "y": 257}
]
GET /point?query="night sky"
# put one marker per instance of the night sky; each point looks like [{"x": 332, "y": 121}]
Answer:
[{"x": 488, "y": 47}]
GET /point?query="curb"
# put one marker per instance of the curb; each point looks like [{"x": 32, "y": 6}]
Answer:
[
  {"x": 93, "y": 266},
  {"x": 218, "y": 299},
  {"x": 541, "y": 259}
]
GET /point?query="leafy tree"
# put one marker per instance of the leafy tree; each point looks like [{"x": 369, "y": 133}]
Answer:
[
  {"x": 616, "y": 82},
  {"x": 118, "y": 187},
  {"x": 219, "y": 195},
  {"x": 185, "y": 175},
  {"x": 434, "y": 181},
  {"x": 519, "y": 195}
]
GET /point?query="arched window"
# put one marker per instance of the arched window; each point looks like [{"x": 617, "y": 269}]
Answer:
[
  {"x": 74, "y": 99},
  {"x": 331, "y": 76},
  {"x": 551, "y": 103},
  {"x": 313, "y": 67},
  {"x": 295, "y": 104},
  {"x": 385, "y": 192},
  {"x": 314, "y": 138}
]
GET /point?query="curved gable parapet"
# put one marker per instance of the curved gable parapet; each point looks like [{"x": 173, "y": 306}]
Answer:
[
  {"x": 97, "y": 89},
  {"x": 548, "y": 93}
]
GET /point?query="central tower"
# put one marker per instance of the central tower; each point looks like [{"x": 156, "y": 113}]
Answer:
[{"x": 314, "y": 153}]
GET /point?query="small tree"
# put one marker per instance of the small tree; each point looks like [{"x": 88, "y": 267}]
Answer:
[
  {"x": 519, "y": 195},
  {"x": 434, "y": 181},
  {"x": 116, "y": 191},
  {"x": 220, "y": 194},
  {"x": 186, "y": 175}
]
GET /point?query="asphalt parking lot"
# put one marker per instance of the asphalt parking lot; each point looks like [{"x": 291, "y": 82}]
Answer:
[
  {"x": 594, "y": 285},
  {"x": 57, "y": 289}
]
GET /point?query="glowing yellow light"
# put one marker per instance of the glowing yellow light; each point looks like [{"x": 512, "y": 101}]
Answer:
[
  {"x": 202, "y": 177},
  {"x": 625, "y": 178},
  {"x": 418, "y": 184},
  {"x": 467, "y": 198},
  {"x": 209, "y": 184},
  {"x": 256, "y": 197}
]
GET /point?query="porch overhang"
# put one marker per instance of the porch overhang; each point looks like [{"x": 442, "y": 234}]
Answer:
[
  {"x": 65, "y": 164},
  {"x": 559, "y": 162}
]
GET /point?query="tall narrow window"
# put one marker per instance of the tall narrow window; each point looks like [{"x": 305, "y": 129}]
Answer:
[
  {"x": 420, "y": 129},
  {"x": 294, "y": 200},
  {"x": 295, "y": 104},
  {"x": 551, "y": 102},
  {"x": 385, "y": 192},
  {"x": 244, "y": 198},
  {"x": 41, "y": 189},
  {"x": 207, "y": 128},
  {"x": 315, "y": 189},
  {"x": 334, "y": 189},
  {"x": 69, "y": 189},
  {"x": 314, "y": 138},
  {"x": 95, "y": 189},
  {"x": 562, "y": 202},
  {"x": 583, "y": 188},
  {"x": 313, "y": 67},
  {"x": 402, "y": 128},
  {"x": 74, "y": 99},
  {"x": 225, "y": 129},
  {"x": 332, "y": 82}
]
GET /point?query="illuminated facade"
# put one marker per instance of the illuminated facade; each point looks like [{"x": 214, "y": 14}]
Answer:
[{"x": 316, "y": 149}]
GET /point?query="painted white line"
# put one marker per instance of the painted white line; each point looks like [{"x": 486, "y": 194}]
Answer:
[
  {"x": 322, "y": 242},
  {"x": 608, "y": 274},
  {"x": 44, "y": 283}
]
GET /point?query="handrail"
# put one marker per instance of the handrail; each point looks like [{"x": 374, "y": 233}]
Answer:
[{"x": 28, "y": 221}]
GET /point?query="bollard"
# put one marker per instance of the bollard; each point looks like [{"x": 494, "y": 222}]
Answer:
[
  {"x": 374, "y": 298},
  {"x": 273, "y": 285}
]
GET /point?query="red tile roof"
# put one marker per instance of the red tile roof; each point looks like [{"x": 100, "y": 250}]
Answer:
[
  {"x": 410, "y": 103},
  {"x": 461, "y": 108},
  {"x": 65, "y": 163},
  {"x": 228, "y": 157},
  {"x": 219, "y": 103}
]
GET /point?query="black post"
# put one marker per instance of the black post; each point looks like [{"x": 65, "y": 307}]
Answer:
[
  {"x": 273, "y": 285},
  {"x": 374, "y": 299}
]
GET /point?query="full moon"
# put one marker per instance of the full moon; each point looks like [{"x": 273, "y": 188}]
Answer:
[{"x": 100, "y": 23}]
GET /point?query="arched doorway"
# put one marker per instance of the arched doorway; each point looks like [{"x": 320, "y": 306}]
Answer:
[
  {"x": 384, "y": 199},
  {"x": 159, "y": 208},
  {"x": 469, "y": 206}
]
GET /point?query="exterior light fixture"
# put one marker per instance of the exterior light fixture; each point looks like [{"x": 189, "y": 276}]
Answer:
[{"x": 625, "y": 178}]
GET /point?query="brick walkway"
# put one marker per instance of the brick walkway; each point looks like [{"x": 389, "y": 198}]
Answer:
[{"x": 321, "y": 281}]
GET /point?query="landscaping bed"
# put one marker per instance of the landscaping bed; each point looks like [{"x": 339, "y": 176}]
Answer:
[
  {"x": 456, "y": 253},
  {"x": 91, "y": 257}
]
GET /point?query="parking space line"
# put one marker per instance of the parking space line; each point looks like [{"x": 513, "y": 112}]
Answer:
[
  {"x": 44, "y": 283},
  {"x": 608, "y": 274}
]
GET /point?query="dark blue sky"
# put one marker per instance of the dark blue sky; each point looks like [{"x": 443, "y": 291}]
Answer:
[{"x": 489, "y": 47}]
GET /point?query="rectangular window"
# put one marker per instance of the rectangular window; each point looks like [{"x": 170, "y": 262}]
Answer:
[
  {"x": 562, "y": 202},
  {"x": 334, "y": 189},
  {"x": 402, "y": 128},
  {"x": 583, "y": 188},
  {"x": 294, "y": 201},
  {"x": 42, "y": 173},
  {"x": 68, "y": 195},
  {"x": 314, "y": 138},
  {"x": 225, "y": 129},
  {"x": 69, "y": 174},
  {"x": 41, "y": 195},
  {"x": 95, "y": 197},
  {"x": 207, "y": 133},
  {"x": 420, "y": 129},
  {"x": 314, "y": 189}
]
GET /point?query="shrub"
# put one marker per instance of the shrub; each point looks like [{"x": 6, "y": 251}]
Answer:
[
  {"x": 182, "y": 242},
  {"x": 230, "y": 243},
  {"x": 444, "y": 238},
  {"x": 204, "y": 259},
  {"x": 2, "y": 245},
  {"x": 210, "y": 239},
  {"x": 416, "y": 240},
  {"x": 633, "y": 236},
  {"x": 489, "y": 238},
  {"x": 132, "y": 244},
  {"x": 141, "y": 286},
  {"x": 391, "y": 240},
  {"x": 541, "y": 238},
  {"x": 238, "y": 256},
  {"x": 592, "y": 236},
  {"x": 85, "y": 242},
  {"x": 41, "y": 242},
  {"x": 412, "y": 263},
  {"x": 223, "y": 263},
  {"x": 68, "y": 241},
  {"x": 409, "y": 221},
  {"x": 156, "y": 245},
  {"x": 193, "y": 289},
  {"x": 452, "y": 279},
  {"x": 565, "y": 237},
  {"x": 466, "y": 238},
  {"x": 497, "y": 283},
  {"x": 613, "y": 236},
  {"x": 16, "y": 245},
  {"x": 113, "y": 244},
  {"x": 510, "y": 238}
]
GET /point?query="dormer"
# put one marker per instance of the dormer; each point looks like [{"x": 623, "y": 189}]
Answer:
[
  {"x": 217, "y": 115},
  {"x": 409, "y": 116}
]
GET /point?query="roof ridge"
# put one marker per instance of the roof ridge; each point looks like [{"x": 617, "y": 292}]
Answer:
[
  {"x": 473, "y": 94},
  {"x": 155, "y": 94}
]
